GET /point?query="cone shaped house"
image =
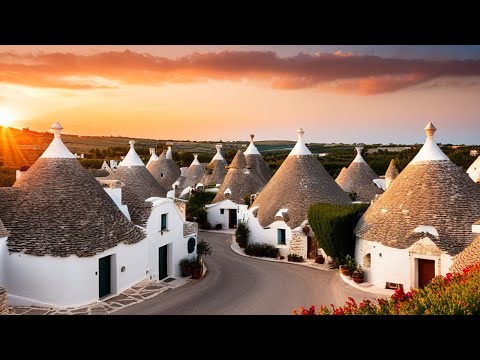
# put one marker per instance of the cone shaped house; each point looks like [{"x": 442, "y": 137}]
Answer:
[
  {"x": 415, "y": 229},
  {"x": 164, "y": 170},
  {"x": 61, "y": 223},
  {"x": 358, "y": 178},
  {"x": 239, "y": 181},
  {"x": 216, "y": 171},
  {"x": 299, "y": 182},
  {"x": 139, "y": 186},
  {"x": 256, "y": 163}
]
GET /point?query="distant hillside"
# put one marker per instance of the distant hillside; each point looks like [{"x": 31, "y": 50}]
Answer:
[{"x": 23, "y": 147}]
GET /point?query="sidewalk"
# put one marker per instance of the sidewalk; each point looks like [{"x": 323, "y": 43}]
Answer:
[
  {"x": 367, "y": 287},
  {"x": 144, "y": 290},
  {"x": 307, "y": 262}
]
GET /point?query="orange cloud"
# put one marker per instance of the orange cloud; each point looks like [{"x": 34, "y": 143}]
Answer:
[{"x": 338, "y": 72}]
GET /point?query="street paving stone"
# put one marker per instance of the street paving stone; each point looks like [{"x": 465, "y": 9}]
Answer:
[{"x": 142, "y": 291}]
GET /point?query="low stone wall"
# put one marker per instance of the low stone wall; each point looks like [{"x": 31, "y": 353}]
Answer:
[
  {"x": 3, "y": 301},
  {"x": 298, "y": 244}
]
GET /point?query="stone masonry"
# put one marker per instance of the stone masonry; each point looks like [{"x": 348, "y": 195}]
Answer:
[
  {"x": 3, "y": 301},
  {"x": 298, "y": 244}
]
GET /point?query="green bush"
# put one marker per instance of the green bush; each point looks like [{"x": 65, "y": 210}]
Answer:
[
  {"x": 91, "y": 163},
  {"x": 242, "y": 234},
  {"x": 295, "y": 258},
  {"x": 333, "y": 226},
  {"x": 195, "y": 209},
  {"x": 261, "y": 250}
]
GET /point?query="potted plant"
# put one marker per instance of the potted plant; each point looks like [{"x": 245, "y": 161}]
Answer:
[
  {"x": 345, "y": 270},
  {"x": 357, "y": 275},
  {"x": 186, "y": 266},
  {"x": 203, "y": 249},
  {"x": 197, "y": 268},
  {"x": 349, "y": 266}
]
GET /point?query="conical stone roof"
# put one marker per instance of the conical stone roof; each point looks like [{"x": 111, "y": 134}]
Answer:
[
  {"x": 164, "y": 170},
  {"x": 391, "y": 174},
  {"x": 139, "y": 186},
  {"x": 218, "y": 174},
  {"x": 299, "y": 182},
  {"x": 240, "y": 180},
  {"x": 57, "y": 208},
  {"x": 359, "y": 178},
  {"x": 431, "y": 191},
  {"x": 469, "y": 256},
  {"x": 194, "y": 173},
  {"x": 3, "y": 231},
  {"x": 255, "y": 162}
]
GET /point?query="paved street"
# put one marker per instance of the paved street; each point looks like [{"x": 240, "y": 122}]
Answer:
[{"x": 236, "y": 284}]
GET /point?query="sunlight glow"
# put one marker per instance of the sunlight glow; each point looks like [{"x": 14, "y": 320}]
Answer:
[{"x": 6, "y": 117}]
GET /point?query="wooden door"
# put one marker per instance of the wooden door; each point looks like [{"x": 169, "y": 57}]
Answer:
[
  {"x": 311, "y": 247},
  {"x": 426, "y": 271}
]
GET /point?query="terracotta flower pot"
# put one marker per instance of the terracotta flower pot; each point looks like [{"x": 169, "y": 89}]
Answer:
[
  {"x": 358, "y": 280},
  {"x": 197, "y": 273},
  {"x": 345, "y": 270}
]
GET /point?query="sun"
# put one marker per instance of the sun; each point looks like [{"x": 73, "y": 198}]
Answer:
[{"x": 6, "y": 117}]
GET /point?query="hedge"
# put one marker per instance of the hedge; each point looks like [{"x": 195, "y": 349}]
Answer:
[{"x": 333, "y": 226}]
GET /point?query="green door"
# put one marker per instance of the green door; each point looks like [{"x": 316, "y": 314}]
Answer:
[
  {"x": 162, "y": 262},
  {"x": 104, "y": 276}
]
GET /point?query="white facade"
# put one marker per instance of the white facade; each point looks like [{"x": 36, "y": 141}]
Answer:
[
  {"x": 74, "y": 281},
  {"x": 474, "y": 170},
  {"x": 219, "y": 213},
  {"x": 270, "y": 234},
  {"x": 383, "y": 264},
  {"x": 67, "y": 281},
  {"x": 171, "y": 237}
]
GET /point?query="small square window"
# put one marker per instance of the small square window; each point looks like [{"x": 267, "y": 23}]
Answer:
[
  {"x": 222, "y": 211},
  {"x": 164, "y": 222}
]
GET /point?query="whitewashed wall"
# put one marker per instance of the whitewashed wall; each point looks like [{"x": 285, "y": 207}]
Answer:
[
  {"x": 172, "y": 237},
  {"x": 399, "y": 265},
  {"x": 69, "y": 281},
  {"x": 269, "y": 235},
  {"x": 215, "y": 217},
  {"x": 116, "y": 195}
]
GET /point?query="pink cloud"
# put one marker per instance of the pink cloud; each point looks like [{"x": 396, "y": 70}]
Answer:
[{"x": 338, "y": 72}]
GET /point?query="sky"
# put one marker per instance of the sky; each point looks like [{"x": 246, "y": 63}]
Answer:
[{"x": 345, "y": 93}]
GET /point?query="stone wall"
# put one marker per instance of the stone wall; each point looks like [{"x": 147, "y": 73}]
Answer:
[
  {"x": 182, "y": 206},
  {"x": 298, "y": 244},
  {"x": 189, "y": 228},
  {"x": 3, "y": 301}
]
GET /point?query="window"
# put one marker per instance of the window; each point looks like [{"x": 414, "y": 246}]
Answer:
[
  {"x": 164, "y": 222},
  {"x": 393, "y": 286},
  {"x": 222, "y": 211},
  {"x": 161, "y": 174},
  {"x": 191, "y": 245},
  {"x": 281, "y": 237},
  {"x": 367, "y": 260}
]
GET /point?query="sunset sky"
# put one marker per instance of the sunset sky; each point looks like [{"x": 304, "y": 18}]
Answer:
[{"x": 370, "y": 94}]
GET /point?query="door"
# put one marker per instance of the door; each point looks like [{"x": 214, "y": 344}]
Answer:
[
  {"x": 104, "y": 267},
  {"x": 426, "y": 271},
  {"x": 232, "y": 219},
  {"x": 311, "y": 247},
  {"x": 162, "y": 262}
]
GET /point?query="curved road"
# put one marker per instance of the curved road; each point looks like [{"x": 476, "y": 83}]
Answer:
[{"x": 238, "y": 285}]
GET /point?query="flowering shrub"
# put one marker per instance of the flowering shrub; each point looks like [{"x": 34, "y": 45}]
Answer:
[{"x": 452, "y": 294}]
